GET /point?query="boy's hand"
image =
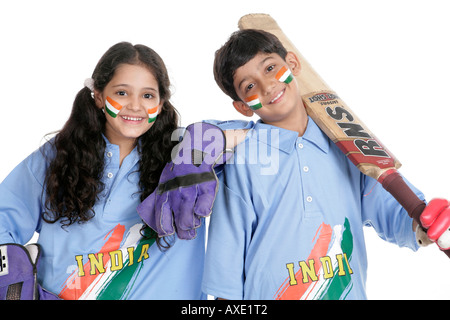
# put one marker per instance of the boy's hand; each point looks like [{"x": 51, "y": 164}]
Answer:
[
  {"x": 436, "y": 218},
  {"x": 188, "y": 184},
  {"x": 235, "y": 137}
]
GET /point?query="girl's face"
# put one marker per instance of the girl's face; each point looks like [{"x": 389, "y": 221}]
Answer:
[{"x": 131, "y": 102}]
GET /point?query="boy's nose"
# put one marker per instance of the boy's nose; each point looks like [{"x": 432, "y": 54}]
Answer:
[{"x": 269, "y": 86}]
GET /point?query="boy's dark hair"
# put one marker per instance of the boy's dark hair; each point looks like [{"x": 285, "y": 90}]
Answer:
[{"x": 241, "y": 47}]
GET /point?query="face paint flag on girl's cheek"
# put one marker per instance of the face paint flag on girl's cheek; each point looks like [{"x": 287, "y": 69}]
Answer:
[
  {"x": 284, "y": 75},
  {"x": 112, "y": 107},
  {"x": 253, "y": 102},
  {"x": 152, "y": 114}
]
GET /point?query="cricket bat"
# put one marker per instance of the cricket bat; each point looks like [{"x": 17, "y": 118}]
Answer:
[{"x": 342, "y": 125}]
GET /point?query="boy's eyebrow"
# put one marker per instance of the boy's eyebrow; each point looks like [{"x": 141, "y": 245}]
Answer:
[
  {"x": 240, "y": 83},
  {"x": 263, "y": 61}
]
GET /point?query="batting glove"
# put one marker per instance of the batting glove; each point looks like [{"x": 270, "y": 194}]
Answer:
[
  {"x": 188, "y": 184},
  {"x": 436, "y": 218},
  {"x": 18, "y": 273}
]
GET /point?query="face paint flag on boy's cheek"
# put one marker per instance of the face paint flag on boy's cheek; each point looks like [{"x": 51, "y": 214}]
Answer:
[
  {"x": 112, "y": 107},
  {"x": 152, "y": 114},
  {"x": 253, "y": 102},
  {"x": 284, "y": 75}
]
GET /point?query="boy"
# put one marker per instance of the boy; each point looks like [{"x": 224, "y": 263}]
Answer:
[{"x": 288, "y": 218}]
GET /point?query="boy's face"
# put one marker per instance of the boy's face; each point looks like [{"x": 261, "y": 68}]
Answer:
[{"x": 279, "y": 101}]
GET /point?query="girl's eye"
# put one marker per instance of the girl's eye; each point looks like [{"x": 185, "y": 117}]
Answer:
[
  {"x": 121, "y": 93},
  {"x": 148, "y": 96}
]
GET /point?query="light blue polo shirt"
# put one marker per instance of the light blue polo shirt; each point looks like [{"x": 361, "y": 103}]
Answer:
[
  {"x": 106, "y": 257},
  {"x": 288, "y": 220}
]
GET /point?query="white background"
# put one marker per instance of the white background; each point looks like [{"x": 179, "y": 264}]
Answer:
[{"x": 387, "y": 59}]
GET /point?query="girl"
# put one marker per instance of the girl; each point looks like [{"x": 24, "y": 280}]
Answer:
[{"x": 80, "y": 190}]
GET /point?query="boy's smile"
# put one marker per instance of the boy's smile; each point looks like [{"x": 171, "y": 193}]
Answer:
[
  {"x": 279, "y": 97},
  {"x": 281, "y": 103}
]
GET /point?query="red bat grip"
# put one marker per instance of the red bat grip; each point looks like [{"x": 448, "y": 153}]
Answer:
[{"x": 397, "y": 187}]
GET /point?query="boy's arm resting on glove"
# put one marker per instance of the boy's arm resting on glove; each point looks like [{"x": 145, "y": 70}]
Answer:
[{"x": 235, "y": 130}]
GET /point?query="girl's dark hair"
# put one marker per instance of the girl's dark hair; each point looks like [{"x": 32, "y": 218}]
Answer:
[
  {"x": 241, "y": 47},
  {"x": 73, "y": 179}
]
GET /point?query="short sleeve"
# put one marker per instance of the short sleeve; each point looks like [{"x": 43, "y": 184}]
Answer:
[
  {"x": 21, "y": 195},
  {"x": 229, "y": 235}
]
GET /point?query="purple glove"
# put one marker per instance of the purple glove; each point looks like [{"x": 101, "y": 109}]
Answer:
[
  {"x": 18, "y": 271},
  {"x": 188, "y": 184}
]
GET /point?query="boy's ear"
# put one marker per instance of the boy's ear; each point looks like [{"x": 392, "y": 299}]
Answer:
[
  {"x": 243, "y": 108},
  {"x": 293, "y": 62}
]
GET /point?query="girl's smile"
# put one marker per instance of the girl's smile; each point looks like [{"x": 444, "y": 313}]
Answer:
[{"x": 132, "y": 120}]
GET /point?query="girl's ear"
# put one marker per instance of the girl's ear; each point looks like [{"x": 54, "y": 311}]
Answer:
[
  {"x": 293, "y": 62},
  {"x": 160, "y": 106},
  {"x": 243, "y": 108},
  {"x": 98, "y": 98}
]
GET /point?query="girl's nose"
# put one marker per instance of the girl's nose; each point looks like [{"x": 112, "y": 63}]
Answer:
[{"x": 134, "y": 103}]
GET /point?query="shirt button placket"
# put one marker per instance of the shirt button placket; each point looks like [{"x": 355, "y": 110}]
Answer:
[
  {"x": 109, "y": 176},
  {"x": 305, "y": 169}
]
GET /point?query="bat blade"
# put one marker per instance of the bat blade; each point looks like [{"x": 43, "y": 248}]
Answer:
[{"x": 342, "y": 125}]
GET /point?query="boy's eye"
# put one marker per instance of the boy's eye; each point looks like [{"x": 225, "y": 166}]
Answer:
[
  {"x": 270, "y": 68},
  {"x": 121, "y": 93},
  {"x": 250, "y": 87}
]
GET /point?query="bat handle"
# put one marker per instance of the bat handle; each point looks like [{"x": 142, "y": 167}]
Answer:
[{"x": 393, "y": 182}]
